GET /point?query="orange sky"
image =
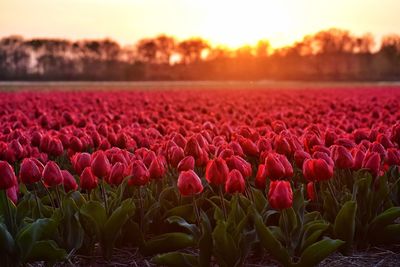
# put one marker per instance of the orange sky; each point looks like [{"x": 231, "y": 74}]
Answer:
[{"x": 228, "y": 22}]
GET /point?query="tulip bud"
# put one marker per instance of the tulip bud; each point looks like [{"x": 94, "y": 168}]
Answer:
[
  {"x": 280, "y": 195},
  {"x": 317, "y": 170},
  {"x": 278, "y": 167},
  {"x": 55, "y": 147},
  {"x": 80, "y": 161},
  {"x": 12, "y": 193},
  {"x": 52, "y": 174},
  {"x": 7, "y": 176},
  {"x": 139, "y": 174},
  {"x": 29, "y": 172},
  {"x": 238, "y": 163},
  {"x": 176, "y": 154},
  {"x": 235, "y": 182},
  {"x": 88, "y": 180},
  {"x": 189, "y": 183},
  {"x": 100, "y": 165},
  {"x": 372, "y": 162},
  {"x": 117, "y": 174},
  {"x": 342, "y": 157},
  {"x": 69, "y": 181},
  {"x": 187, "y": 163},
  {"x": 310, "y": 191},
  {"x": 299, "y": 157},
  {"x": 156, "y": 169},
  {"x": 217, "y": 171},
  {"x": 261, "y": 177}
]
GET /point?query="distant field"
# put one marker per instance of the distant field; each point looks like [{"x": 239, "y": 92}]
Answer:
[{"x": 174, "y": 85}]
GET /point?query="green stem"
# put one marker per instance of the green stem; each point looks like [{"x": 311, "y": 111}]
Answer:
[
  {"x": 285, "y": 225},
  {"x": 103, "y": 192},
  {"x": 196, "y": 210},
  {"x": 333, "y": 195},
  {"x": 59, "y": 198},
  {"x": 141, "y": 208},
  {"x": 49, "y": 194},
  {"x": 8, "y": 211},
  {"x": 221, "y": 195},
  {"x": 37, "y": 200}
]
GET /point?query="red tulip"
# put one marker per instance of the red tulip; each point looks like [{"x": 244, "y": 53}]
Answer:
[
  {"x": 117, "y": 174},
  {"x": 280, "y": 195},
  {"x": 310, "y": 191},
  {"x": 235, "y": 182},
  {"x": 317, "y": 170},
  {"x": 342, "y": 157},
  {"x": 238, "y": 163},
  {"x": 75, "y": 144},
  {"x": 187, "y": 163},
  {"x": 189, "y": 183},
  {"x": 372, "y": 162},
  {"x": 55, "y": 147},
  {"x": 176, "y": 154},
  {"x": 69, "y": 181},
  {"x": 7, "y": 176},
  {"x": 29, "y": 172},
  {"x": 88, "y": 181},
  {"x": 393, "y": 156},
  {"x": 100, "y": 164},
  {"x": 52, "y": 174},
  {"x": 80, "y": 161},
  {"x": 12, "y": 193},
  {"x": 217, "y": 171},
  {"x": 261, "y": 177},
  {"x": 358, "y": 156},
  {"x": 278, "y": 167},
  {"x": 156, "y": 169},
  {"x": 299, "y": 157},
  {"x": 139, "y": 174}
]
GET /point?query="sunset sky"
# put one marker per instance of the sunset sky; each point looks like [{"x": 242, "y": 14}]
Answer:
[{"x": 227, "y": 22}]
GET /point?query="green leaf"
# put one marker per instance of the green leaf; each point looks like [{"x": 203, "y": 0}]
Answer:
[
  {"x": 383, "y": 219},
  {"x": 168, "y": 242},
  {"x": 312, "y": 232},
  {"x": 114, "y": 224},
  {"x": 225, "y": 249},
  {"x": 315, "y": 253},
  {"x": 205, "y": 242},
  {"x": 345, "y": 224},
  {"x": 93, "y": 217},
  {"x": 269, "y": 242},
  {"x": 175, "y": 259},
  {"x": 30, "y": 234},
  {"x": 7, "y": 243},
  {"x": 72, "y": 229},
  {"x": 184, "y": 211},
  {"x": 193, "y": 229},
  {"x": 47, "y": 251}
]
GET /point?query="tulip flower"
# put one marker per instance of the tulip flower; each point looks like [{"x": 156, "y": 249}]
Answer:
[
  {"x": 7, "y": 176},
  {"x": 261, "y": 177},
  {"x": 217, "y": 171},
  {"x": 100, "y": 164},
  {"x": 80, "y": 161},
  {"x": 117, "y": 174},
  {"x": 342, "y": 157},
  {"x": 372, "y": 162},
  {"x": 156, "y": 169},
  {"x": 189, "y": 183},
  {"x": 280, "y": 195},
  {"x": 139, "y": 174},
  {"x": 29, "y": 172},
  {"x": 317, "y": 170},
  {"x": 310, "y": 191},
  {"x": 52, "y": 175},
  {"x": 187, "y": 163},
  {"x": 88, "y": 181},
  {"x": 238, "y": 163},
  {"x": 69, "y": 181},
  {"x": 278, "y": 167},
  {"x": 235, "y": 182}
]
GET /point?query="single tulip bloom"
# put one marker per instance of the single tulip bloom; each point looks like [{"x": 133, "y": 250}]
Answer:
[
  {"x": 278, "y": 167},
  {"x": 176, "y": 154},
  {"x": 88, "y": 181},
  {"x": 372, "y": 162},
  {"x": 187, "y": 163},
  {"x": 55, "y": 147},
  {"x": 280, "y": 195},
  {"x": 317, "y": 170},
  {"x": 52, "y": 175},
  {"x": 217, "y": 171},
  {"x": 238, "y": 163},
  {"x": 310, "y": 191},
  {"x": 80, "y": 161},
  {"x": 12, "y": 193},
  {"x": 29, "y": 172},
  {"x": 261, "y": 177},
  {"x": 235, "y": 182},
  {"x": 117, "y": 174},
  {"x": 100, "y": 164},
  {"x": 342, "y": 157},
  {"x": 7, "y": 176},
  {"x": 157, "y": 169},
  {"x": 358, "y": 156},
  {"x": 189, "y": 183},
  {"x": 299, "y": 157},
  {"x": 139, "y": 174},
  {"x": 69, "y": 181}
]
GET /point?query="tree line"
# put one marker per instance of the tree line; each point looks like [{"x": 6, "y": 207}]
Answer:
[{"x": 332, "y": 54}]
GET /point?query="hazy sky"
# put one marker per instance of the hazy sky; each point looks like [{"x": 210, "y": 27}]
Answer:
[{"x": 227, "y": 22}]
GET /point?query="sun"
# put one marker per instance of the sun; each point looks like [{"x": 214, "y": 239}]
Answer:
[{"x": 238, "y": 23}]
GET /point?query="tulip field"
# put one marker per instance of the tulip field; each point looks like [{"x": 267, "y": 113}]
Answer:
[{"x": 198, "y": 177}]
